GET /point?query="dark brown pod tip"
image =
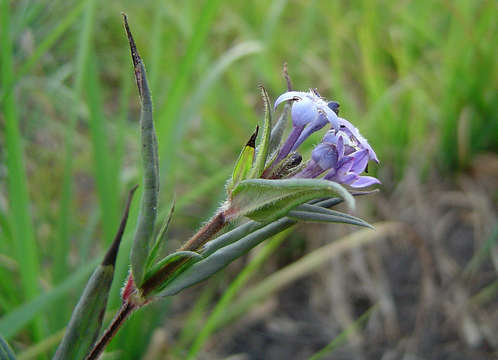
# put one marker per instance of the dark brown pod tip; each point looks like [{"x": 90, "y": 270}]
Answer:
[{"x": 112, "y": 252}]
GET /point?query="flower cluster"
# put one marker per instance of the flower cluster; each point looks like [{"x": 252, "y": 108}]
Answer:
[{"x": 343, "y": 153}]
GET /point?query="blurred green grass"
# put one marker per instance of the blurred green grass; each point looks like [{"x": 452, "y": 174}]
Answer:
[{"x": 418, "y": 78}]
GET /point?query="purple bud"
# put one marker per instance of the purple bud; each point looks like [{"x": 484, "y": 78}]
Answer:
[
  {"x": 334, "y": 106},
  {"x": 303, "y": 112}
]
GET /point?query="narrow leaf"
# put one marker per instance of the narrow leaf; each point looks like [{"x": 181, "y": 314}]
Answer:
[
  {"x": 149, "y": 201},
  {"x": 6, "y": 352},
  {"x": 264, "y": 145},
  {"x": 245, "y": 229},
  {"x": 267, "y": 200},
  {"x": 161, "y": 238},
  {"x": 244, "y": 162},
  {"x": 223, "y": 250},
  {"x": 174, "y": 257},
  {"x": 326, "y": 218},
  {"x": 86, "y": 320},
  {"x": 309, "y": 208},
  {"x": 206, "y": 267}
]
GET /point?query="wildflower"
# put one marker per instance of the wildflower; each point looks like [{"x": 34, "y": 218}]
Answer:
[
  {"x": 309, "y": 113},
  {"x": 343, "y": 153},
  {"x": 344, "y": 160}
]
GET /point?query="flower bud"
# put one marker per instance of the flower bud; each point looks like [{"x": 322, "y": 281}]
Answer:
[{"x": 303, "y": 112}]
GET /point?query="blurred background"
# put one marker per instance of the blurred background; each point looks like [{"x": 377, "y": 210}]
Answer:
[{"x": 418, "y": 78}]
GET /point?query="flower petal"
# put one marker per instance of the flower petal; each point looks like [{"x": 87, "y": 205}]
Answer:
[
  {"x": 348, "y": 128},
  {"x": 347, "y": 178},
  {"x": 364, "y": 181},
  {"x": 316, "y": 125},
  {"x": 361, "y": 161},
  {"x": 325, "y": 156},
  {"x": 329, "y": 114},
  {"x": 290, "y": 95}
]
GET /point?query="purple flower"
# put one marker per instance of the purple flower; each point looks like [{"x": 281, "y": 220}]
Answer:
[
  {"x": 343, "y": 153},
  {"x": 309, "y": 114},
  {"x": 355, "y": 136},
  {"x": 343, "y": 158}
]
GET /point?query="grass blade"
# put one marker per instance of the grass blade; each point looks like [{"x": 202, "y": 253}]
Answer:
[{"x": 22, "y": 226}]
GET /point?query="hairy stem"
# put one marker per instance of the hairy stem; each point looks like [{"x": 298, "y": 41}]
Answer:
[
  {"x": 210, "y": 229},
  {"x": 124, "y": 312}
]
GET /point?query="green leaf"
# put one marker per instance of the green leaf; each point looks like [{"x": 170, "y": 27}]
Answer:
[
  {"x": 87, "y": 316},
  {"x": 264, "y": 145},
  {"x": 244, "y": 162},
  {"x": 6, "y": 352},
  {"x": 226, "y": 248},
  {"x": 325, "y": 218},
  {"x": 148, "y": 205},
  {"x": 160, "y": 239},
  {"x": 208, "y": 266},
  {"x": 266, "y": 200},
  {"x": 308, "y": 212},
  {"x": 171, "y": 258}
]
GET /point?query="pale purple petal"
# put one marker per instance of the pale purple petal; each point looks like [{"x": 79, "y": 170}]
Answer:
[
  {"x": 364, "y": 181},
  {"x": 340, "y": 147},
  {"x": 331, "y": 116},
  {"x": 290, "y": 95},
  {"x": 316, "y": 125},
  {"x": 348, "y": 178},
  {"x": 361, "y": 161},
  {"x": 325, "y": 156},
  {"x": 349, "y": 128}
]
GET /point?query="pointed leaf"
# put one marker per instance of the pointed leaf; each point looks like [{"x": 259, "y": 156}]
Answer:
[
  {"x": 160, "y": 239},
  {"x": 326, "y": 218},
  {"x": 267, "y": 200},
  {"x": 264, "y": 145},
  {"x": 206, "y": 267},
  {"x": 174, "y": 257},
  {"x": 148, "y": 205},
  {"x": 86, "y": 319},
  {"x": 313, "y": 209},
  {"x": 6, "y": 352},
  {"x": 226, "y": 248},
  {"x": 244, "y": 162}
]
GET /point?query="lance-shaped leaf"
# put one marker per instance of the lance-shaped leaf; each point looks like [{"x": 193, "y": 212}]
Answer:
[
  {"x": 249, "y": 227},
  {"x": 221, "y": 251},
  {"x": 244, "y": 163},
  {"x": 86, "y": 319},
  {"x": 160, "y": 239},
  {"x": 313, "y": 213},
  {"x": 148, "y": 205},
  {"x": 264, "y": 145},
  {"x": 268, "y": 200},
  {"x": 6, "y": 352},
  {"x": 172, "y": 258}
]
